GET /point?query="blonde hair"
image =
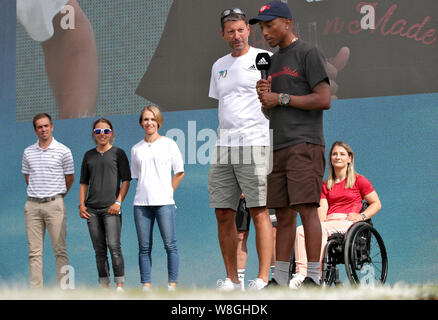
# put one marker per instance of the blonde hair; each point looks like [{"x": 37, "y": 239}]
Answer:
[
  {"x": 155, "y": 111},
  {"x": 351, "y": 173}
]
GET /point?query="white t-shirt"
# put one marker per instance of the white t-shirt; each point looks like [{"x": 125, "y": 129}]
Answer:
[
  {"x": 233, "y": 83},
  {"x": 152, "y": 165}
]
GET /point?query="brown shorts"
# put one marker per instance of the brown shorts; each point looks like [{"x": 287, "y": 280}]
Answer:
[{"x": 296, "y": 177}]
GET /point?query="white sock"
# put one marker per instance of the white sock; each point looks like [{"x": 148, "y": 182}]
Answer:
[
  {"x": 313, "y": 271},
  {"x": 241, "y": 276},
  {"x": 282, "y": 272}
]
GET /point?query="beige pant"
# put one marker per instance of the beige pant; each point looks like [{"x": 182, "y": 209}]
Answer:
[
  {"x": 336, "y": 222},
  {"x": 38, "y": 216}
]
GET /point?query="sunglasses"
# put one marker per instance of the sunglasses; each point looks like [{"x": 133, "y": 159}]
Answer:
[
  {"x": 99, "y": 131},
  {"x": 227, "y": 12}
]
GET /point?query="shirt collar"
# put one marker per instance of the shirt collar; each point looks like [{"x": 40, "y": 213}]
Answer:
[{"x": 52, "y": 145}]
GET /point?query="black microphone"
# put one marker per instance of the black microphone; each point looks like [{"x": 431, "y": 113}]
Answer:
[{"x": 263, "y": 62}]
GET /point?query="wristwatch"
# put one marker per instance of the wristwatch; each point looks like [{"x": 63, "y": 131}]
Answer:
[
  {"x": 284, "y": 99},
  {"x": 364, "y": 217}
]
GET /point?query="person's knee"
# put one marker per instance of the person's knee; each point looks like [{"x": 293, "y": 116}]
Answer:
[
  {"x": 145, "y": 248},
  {"x": 115, "y": 249},
  {"x": 171, "y": 246},
  {"x": 225, "y": 216},
  {"x": 286, "y": 218},
  {"x": 308, "y": 213},
  {"x": 242, "y": 236}
]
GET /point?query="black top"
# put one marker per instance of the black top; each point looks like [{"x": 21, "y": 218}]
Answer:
[
  {"x": 103, "y": 174},
  {"x": 296, "y": 70}
]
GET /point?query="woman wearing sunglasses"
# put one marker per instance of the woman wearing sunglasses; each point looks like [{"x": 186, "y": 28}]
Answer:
[
  {"x": 104, "y": 183},
  {"x": 152, "y": 161}
]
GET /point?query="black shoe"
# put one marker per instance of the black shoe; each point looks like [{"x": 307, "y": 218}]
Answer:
[{"x": 310, "y": 283}]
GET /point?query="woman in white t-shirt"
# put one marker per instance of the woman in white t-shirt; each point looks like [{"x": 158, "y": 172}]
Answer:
[{"x": 152, "y": 161}]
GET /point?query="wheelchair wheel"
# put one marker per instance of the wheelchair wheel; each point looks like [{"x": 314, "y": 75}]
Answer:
[
  {"x": 365, "y": 257},
  {"x": 329, "y": 268},
  {"x": 333, "y": 255}
]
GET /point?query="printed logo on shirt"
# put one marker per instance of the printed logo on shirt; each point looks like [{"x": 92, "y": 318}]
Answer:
[
  {"x": 252, "y": 68},
  {"x": 286, "y": 71},
  {"x": 222, "y": 74}
]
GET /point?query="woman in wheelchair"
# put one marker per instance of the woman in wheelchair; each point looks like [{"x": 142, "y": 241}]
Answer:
[{"x": 340, "y": 205}]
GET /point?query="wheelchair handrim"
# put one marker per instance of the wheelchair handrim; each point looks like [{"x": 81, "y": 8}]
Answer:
[{"x": 349, "y": 254}]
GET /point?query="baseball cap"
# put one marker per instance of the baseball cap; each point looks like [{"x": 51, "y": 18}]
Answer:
[{"x": 271, "y": 11}]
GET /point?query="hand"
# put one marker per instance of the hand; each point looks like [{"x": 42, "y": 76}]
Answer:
[
  {"x": 114, "y": 209},
  {"x": 83, "y": 212},
  {"x": 334, "y": 65},
  {"x": 264, "y": 85},
  {"x": 268, "y": 99},
  {"x": 355, "y": 217}
]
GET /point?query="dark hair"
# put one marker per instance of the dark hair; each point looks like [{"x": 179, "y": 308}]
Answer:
[
  {"x": 40, "y": 116},
  {"x": 104, "y": 120},
  {"x": 233, "y": 17}
]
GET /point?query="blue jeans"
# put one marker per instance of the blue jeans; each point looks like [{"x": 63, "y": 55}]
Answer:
[
  {"x": 144, "y": 223},
  {"x": 105, "y": 230}
]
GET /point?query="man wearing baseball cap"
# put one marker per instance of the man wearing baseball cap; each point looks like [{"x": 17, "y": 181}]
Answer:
[{"x": 294, "y": 96}]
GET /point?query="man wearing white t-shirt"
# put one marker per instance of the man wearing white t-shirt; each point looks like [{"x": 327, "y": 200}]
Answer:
[{"x": 239, "y": 162}]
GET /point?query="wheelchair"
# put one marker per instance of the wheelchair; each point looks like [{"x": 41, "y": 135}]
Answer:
[{"x": 362, "y": 251}]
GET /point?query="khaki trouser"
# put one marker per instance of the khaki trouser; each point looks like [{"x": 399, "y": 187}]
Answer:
[{"x": 38, "y": 216}]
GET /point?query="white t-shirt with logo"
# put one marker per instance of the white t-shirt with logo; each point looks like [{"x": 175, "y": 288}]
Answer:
[
  {"x": 233, "y": 83},
  {"x": 152, "y": 165}
]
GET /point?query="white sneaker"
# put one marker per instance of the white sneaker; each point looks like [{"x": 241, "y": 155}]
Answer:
[
  {"x": 170, "y": 288},
  {"x": 227, "y": 285},
  {"x": 120, "y": 289},
  {"x": 257, "y": 284},
  {"x": 296, "y": 280},
  {"x": 146, "y": 289}
]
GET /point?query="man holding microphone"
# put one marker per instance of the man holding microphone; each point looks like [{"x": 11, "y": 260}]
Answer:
[{"x": 294, "y": 96}]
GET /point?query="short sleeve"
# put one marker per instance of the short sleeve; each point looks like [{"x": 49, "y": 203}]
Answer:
[
  {"x": 25, "y": 165},
  {"x": 67, "y": 162},
  {"x": 364, "y": 186},
  {"x": 315, "y": 67},
  {"x": 324, "y": 191},
  {"x": 123, "y": 166},
  {"x": 134, "y": 168},
  {"x": 212, "y": 93},
  {"x": 85, "y": 177},
  {"x": 177, "y": 159}
]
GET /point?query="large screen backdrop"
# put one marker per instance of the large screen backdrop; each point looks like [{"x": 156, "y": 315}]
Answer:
[{"x": 385, "y": 106}]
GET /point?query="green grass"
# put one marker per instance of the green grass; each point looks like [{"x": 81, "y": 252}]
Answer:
[{"x": 399, "y": 291}]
